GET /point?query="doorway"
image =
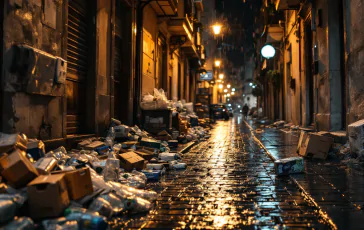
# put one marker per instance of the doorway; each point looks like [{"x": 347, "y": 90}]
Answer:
[
  {"x": 161, "y": 63},
  {"x": 122, "y": 62},
  {"x": 308, "y": 46},
  {"x": 79, "y": 57}
]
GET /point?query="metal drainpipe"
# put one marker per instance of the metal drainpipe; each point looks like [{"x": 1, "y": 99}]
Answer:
[{"x": 138, "y": 61}]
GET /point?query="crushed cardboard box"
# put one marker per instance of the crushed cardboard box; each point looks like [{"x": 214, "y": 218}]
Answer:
[
  {"x": 17, "y": 169},
  {"x": 131, "y": 160},
  {"x": 45, "y": 165},
  {"x": 47, "y": 196},
  {"x": 316, "y": 146},
  {"x": 79, "y": 183},
  {"x": 9, "y": 142}
]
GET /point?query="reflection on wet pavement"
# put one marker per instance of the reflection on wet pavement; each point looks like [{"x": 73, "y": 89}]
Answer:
[{"x": 229, "y": 184}]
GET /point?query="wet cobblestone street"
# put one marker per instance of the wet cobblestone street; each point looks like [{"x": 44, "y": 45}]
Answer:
[{"x": 229, "y": 183}]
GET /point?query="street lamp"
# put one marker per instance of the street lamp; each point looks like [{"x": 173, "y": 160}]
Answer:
[
  {"x": 225, "y": 90},
  {"x": 221, "y": 86},
  {"x": 233, "y": 89},
  {"x": 221, "y": 76},
  {"x": 268, "y": 51},
  {"x": 250, "y": 84},
  {"x": 228, "y": 95},
  {"x": 229, "y": 86},
  {"x": 233, "y": 93},
  {"x": 217, "y": 63},
  {"x": 217, "y": 29}
]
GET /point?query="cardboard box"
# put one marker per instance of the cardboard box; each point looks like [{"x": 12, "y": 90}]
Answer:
[
  {"x": 289, "y": 165},
  {"x": 45, "y": 165},
  {"x": 79, "y": 183},
  {"x": 94, "y": 145},
  {"x": 173, "y": 144},
  {"x": 302, "y": 139},
  {"x": 146, "y": 155},
  {"x": 36, "y": 149},
  {"x": 10, "y": 142},
  {"x": 130, "y": 161},
  {"x": 150, "y": 143},
  {"x": 316, "y": 146},
  {"x": 17, "y": 169},
  {"x": 356, "y": 137},
  {"x": 47, "y": 196}
]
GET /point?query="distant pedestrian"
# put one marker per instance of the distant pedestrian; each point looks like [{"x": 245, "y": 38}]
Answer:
[{"x": 245, "y": 111}]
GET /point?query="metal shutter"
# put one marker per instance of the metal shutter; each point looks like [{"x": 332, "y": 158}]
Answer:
[{"x": 77, "y": 67}]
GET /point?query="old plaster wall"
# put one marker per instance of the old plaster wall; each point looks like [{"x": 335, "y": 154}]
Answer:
[
  {"x": 355, "y": 58},
  {"x": 37, "y": 116}
]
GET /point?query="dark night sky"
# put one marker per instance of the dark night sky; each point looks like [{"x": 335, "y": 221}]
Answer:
[{"x": 240, "y": 18}]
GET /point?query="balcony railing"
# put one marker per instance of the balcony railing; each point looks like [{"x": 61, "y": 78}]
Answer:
[{"x": 165, "y": 7}]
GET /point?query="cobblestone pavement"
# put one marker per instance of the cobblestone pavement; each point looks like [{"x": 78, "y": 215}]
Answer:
[
  {"x": 229, "y": 183},
  {"x": 336, "y": 188}
]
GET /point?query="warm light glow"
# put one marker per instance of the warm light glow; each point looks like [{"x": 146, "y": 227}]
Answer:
[
  {"x": 232, "y": 93},
  {"x": 229, "y": 86},
  {"x": 217, "y": 29},
  {"x": 217, "y": 63},
  {"x": 221, "y": 86},
  {"x": 221, "y": 76},
  {"x": 225, "y": 90},
  {"x": 268, "y": 51},
  {"x": 228, "y": 95},
  {"x": 233, "y": 89}
]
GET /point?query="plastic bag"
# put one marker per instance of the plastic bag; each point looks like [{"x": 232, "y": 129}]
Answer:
[
  {"x": 137, "y": 205},
  {"x": 102, "y": 206},
  {"x": 148, "y": 98},
  {"x": 134, "y": 180},
  {"x": 116, "y": 203},
  {"x": 125, "y": 191},
  {"x": 98, "y": 182},
  {"x": 22, "y": 223},
  {"x": 167, "y": 156}
]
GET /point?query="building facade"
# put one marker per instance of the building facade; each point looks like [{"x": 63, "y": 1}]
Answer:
[
  {"x": 315, "y": 73},
  {"x": 106, "y": 71}
]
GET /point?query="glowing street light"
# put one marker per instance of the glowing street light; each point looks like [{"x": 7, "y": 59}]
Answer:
[
  {"x": 221, "y": 76},
  {"x": 228, "y": 95},
  {"x": 239, "y": 106},
  {"x": 221, "y": 86},
  {"x": 233, "y": 89},
  {"x": 268, "y": 51},
  {"x": 225, "y": 90},
  {"x": 217, "y": 29},
  {"x": 217, "y": 63},
  {"x": 250, "y": 84},
  {"x": 229, "y": 86},
  {"x": 232, "y": 93}
]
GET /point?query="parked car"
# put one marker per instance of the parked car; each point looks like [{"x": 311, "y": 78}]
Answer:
[{"x": 219, "y": 111}]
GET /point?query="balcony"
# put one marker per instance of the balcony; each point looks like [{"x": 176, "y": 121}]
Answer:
[
  {"x": 274, "y": 34},
  {"x": 181, "y": 27},
  {"x": 287, "y": 4},
  {"x": 165, "y": 7},
  {"x": 198, "y": 4}
]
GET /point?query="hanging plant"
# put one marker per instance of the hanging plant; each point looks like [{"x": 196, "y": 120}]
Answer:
[{"x": 274, "y": 77}]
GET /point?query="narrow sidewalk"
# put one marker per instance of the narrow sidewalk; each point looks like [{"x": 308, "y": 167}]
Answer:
[{"x": 336, "y": 189}]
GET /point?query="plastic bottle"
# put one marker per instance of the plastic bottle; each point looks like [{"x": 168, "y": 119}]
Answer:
[
  {"x": 102, "y": 206},
  {"x": 112, "y": 168},
  {"x": 116, "y": 203},
  {"x": 88, "y": 221},
  {"x": 22, "y": 223},
  {"x": 137, "y": 205}
]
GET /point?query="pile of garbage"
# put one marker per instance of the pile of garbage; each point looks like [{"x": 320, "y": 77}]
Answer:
[{"x": 84, "y": 187}]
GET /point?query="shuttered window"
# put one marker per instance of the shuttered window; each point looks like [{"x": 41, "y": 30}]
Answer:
[{"x": 78, "y": 63}]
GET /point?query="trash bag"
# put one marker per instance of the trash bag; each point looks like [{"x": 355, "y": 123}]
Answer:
[
  {"x": 116, "y": 203},
  {"x": 125, "y": 191},
  {"x": 87, "y": 220},
  {"x": 135, "y": 179},
  {"x": 9, "y": 205},
  {"x": 148, "y": 98},
  {"x": 102, "y": 206},
  {"x": 22, "y": 223}
]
